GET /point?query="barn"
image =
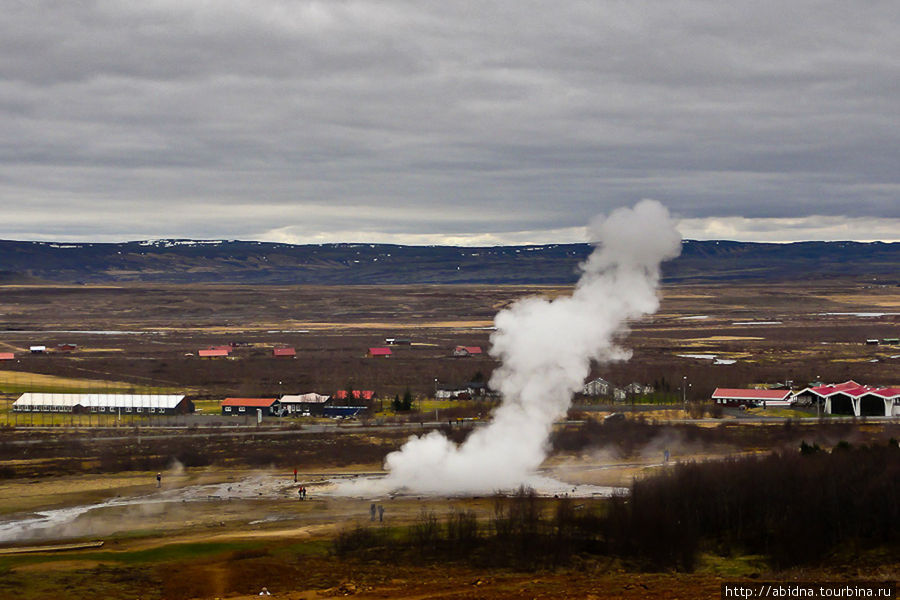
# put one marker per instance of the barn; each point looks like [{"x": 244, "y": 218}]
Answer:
[
  {"x": 382, "y": 352},
  {"x": 744, "y": 397},
  {"x": 284, "y": 352},
  {"x": 463, "y": 351},
  {"x": 243, "y": 406},
  {"x": 7, "y": 356},
  {"x": 213, "y": 353},
  {"x": 596, "y": 387},
  {"x": 354, "y": 394},
  {"x": 144, "y": 404},
  {"x": 306, "y": 405},
  {"x": 852, "y": 398}
]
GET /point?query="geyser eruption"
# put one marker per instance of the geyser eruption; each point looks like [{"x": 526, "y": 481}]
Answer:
[{"x": 545, "y": 348}]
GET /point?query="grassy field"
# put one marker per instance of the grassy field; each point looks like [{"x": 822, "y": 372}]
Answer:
[{"x": 19, "y": 382}]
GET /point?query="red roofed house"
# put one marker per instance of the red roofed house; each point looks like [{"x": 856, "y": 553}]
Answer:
[
  {"x": 379, "y": 353},
  {"x": 226, "y": 348},
  {"x": 289, "y": 352},
  {"x": 740, "y": 397},
  {"x": 852, "y": 398},
  {"x": 466, "y": 350},
  {"x": 7, "y": 356},
  {"x": 243, "y": 406},
  {"x": 212, "y": 353},
  {"x": 357, "y": 394}
]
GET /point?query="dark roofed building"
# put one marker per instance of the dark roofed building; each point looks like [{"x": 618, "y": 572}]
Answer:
[
  {"x": 307, "y": 405},
  {"x": 242, "y": 406}
]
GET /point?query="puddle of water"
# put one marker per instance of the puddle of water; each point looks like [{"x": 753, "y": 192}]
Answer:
[
  {"x": 859, "y": 314},
  {"x": 61, "y": 522}
]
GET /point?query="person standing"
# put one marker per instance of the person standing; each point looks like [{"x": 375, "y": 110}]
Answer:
[
  {"x": 295, "y": 475},
  {"x": 159, "y": 480},
  {"x": 380, "y": 513}
]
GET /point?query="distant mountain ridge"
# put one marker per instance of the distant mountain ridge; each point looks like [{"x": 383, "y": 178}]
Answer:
[{"x": 232, "y": 261}]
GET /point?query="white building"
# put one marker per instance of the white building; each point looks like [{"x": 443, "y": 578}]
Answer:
[
  {"x": 596, "y": 387},
  {"x": 146, "y": 404}
]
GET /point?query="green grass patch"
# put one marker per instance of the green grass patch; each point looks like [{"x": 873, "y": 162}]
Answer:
[
  {"x": 161, "y": 554},
  {"x": 784, "y": 413},
  {"x": 732, "y": 566}
]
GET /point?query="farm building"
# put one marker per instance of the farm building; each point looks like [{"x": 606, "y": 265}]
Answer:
[
  {"x": 379, "y": 353},
  {"x": 467, "y": 351},
  {"x": 398, "y": 341},
  {"x": 307, "y": 405},
  {"x": 148, "y": 404},
  {"x": 213, "y": 353},
  {"x": 637, "y": 389},
  {"x": 741, "y": 397},
  {"x": 244, "y": 406},
  {"x": 356, "y": 394},
  {"x": 284, "y": 352},
  {"x": 460, "y": 393},
  {"x": 66, "y": 347},
  {"x": 7, "y": 356},
  {"x": 596, "y": 387},
  {"x": 852, "y": 398},
  {"x": 37, "y": 349}
]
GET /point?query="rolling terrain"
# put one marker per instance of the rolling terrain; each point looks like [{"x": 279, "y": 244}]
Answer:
[{"x": 206, "y": 261}]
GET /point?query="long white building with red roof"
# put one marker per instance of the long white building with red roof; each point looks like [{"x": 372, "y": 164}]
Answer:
[{"x": 750, "y": 397}]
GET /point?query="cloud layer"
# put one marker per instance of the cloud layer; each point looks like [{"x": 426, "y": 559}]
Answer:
[{"x": 433, "y": 122}]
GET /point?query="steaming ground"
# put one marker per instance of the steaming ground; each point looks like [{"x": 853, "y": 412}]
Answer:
[
  {"x": 546, "y": 349},
  {"x": 128, "y": 513}
]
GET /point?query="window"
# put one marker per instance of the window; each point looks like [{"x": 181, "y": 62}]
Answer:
[
  {"x": 102, "y": 409},
  {"x": 242, "y": 409},
  {"x": 128, "y": 409},
  {"x": 93, "y": 409},
  {"x": 139, "y": 409},
  {"x": 152, "y": 410},
  {"x": 227, "y": 409}
]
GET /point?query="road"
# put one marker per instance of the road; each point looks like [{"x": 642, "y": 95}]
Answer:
[{"x": 181, "y": 432}]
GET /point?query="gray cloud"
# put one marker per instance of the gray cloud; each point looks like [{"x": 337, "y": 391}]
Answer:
[{"x": 433, "y": 120}]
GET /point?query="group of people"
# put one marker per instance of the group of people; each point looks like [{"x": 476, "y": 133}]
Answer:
[
  {"x": 302, "y": 492},
  {"x": 373, "y": 508}
]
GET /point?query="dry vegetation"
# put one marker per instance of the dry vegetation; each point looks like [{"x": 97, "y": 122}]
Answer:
[{"x": 554, "y": 549}]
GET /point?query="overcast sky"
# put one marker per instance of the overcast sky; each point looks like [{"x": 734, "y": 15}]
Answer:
[{"x": 446, "y": 122}]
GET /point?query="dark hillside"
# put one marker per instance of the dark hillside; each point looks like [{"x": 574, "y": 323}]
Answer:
[{"x": 189, "y": 261}]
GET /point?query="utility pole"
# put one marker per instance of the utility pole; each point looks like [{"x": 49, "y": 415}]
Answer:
[{"x": 684, "y": 392}]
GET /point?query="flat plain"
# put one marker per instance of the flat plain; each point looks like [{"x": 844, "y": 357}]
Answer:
[{"x": 227, "y": 520}]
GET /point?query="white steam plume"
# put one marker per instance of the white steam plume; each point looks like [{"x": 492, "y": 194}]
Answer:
[{"x": 546, "y": 348}]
